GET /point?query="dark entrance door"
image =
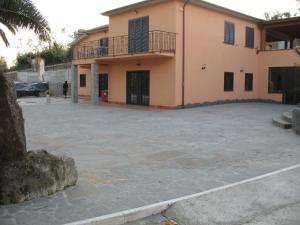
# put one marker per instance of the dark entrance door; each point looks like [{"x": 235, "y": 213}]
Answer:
[
  {"x": 103, "y": 86},
  {"x": 138, "y": 85},
  {"x": 138, "y": 35},
  {"x": 285, "y": 80}
]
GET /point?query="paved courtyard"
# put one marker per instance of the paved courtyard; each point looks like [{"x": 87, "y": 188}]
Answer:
[{"x": 128, "y": 158}]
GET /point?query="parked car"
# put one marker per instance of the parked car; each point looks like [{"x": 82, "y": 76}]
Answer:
[{"x": 31, "y": 89}]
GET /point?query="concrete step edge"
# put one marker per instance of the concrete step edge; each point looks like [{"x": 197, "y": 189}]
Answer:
[
  {"x": 279, "y": 122},
  {"x": 288, "y": 116}
]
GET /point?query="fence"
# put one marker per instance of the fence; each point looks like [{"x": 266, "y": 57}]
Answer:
[
  {"x": 56, "y": 89},
  {"x": 58, "y": 66}
]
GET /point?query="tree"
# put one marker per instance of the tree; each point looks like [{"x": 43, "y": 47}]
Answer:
[
  {"x": 3, "y": 65},
  {"x": 15, "y": 14},
  {"x": 55, "y": 54},
  {"x": 278, "y": 15},
  {"x": 18, "y": 14}
]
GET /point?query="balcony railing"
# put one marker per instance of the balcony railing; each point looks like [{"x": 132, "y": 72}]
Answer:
[{"x": 153, "y": 42}]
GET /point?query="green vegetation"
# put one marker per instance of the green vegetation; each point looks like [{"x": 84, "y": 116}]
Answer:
[
  {"x": 55, "y": 54},
  {"x": 278, "y": 15}
]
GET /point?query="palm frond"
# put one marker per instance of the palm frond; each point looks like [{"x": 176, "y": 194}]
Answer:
[
  {"x": 3, "y": 36},
  {"x": 23, "y": 14},
  {"x": 10, "y": 27}
]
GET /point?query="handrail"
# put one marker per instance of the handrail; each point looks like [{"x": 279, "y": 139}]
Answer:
[{"x": 154, "y": 41}]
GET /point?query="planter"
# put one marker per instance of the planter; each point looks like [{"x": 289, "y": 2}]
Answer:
[
  {"x": 48, "y": 99},
  {"x": 104, "y": 96}
]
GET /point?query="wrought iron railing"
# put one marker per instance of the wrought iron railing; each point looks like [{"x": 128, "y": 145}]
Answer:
[{"x": 155, "y": 42}]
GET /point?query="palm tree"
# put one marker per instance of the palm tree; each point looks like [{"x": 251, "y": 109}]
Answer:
[{"x": 16, "y": 14}]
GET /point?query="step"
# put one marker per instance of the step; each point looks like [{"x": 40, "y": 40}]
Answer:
[
  {"x": 287, "y": 116},
  {"x": 279, "y": 122}
]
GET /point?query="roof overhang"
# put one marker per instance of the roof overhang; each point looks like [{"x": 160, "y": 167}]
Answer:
[
  {"x": 85, "y": 33},
  {"x": 200, "y": 3}
]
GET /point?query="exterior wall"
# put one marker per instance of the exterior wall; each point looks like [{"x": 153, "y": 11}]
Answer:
[
  {"x": 86, "y": 91},
  {"x": 267, "y": 59},
  {"x": 93, "y": 37},
  {"x": 90, "y": 38},
  {"x": 161, "y": 76},
  {"x": 204, "y": 46},
  {"x": 162, "y": 79},
  {"x": 161, "y": 17}
]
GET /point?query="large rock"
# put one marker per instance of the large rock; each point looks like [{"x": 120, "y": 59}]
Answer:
[
  {"x": 12, "y": 135},
  {"x": 38, "y": 174},
  {"x": 296, "y": 120}
]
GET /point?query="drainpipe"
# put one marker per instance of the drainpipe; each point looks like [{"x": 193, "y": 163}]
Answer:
[{"x": 183, "y": 53}]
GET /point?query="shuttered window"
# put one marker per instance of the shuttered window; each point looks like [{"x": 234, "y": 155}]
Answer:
[
  {"x": 248, "y": 82},
  {"x": 229, "y": 34},
  {"x": 249, "y": 37},
  {"x": 82, "y": 80},
  {"x": 138, "y": 35},
  {"x": 228, "y": 81}
]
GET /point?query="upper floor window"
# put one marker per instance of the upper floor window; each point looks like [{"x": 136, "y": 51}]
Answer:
[
  {"x": 249, "y": 37},
  {"x": 82, "y": 80},
  {"x": 229, "y": 34},
  {"x": 103, "y": 46},
  {"x": 228, "y": 81},
  {"x": 138, "y": 35}
]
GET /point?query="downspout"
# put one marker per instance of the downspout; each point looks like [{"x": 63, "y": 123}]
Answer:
[{"x": 183, "y": 54}]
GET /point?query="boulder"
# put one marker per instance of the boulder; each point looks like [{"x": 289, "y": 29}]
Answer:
[
  {"x": 296, "y": 120},
  {"x": 38, "y": 174},
  {"x": 12, "y": 134}
]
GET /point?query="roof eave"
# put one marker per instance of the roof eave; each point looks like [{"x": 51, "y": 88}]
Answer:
[
  {"x": 131, "y": 7},
  {"x": 195, "y": 2},
  {"x": 224, "y": 10}
]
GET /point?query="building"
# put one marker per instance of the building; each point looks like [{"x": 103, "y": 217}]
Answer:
[{"x": 175, "y": 53}]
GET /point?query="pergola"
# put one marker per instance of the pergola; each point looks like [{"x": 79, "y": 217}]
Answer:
[{"x": 286, "y": 30}]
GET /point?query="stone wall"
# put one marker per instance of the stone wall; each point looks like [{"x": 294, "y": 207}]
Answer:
[{"x": 54, "y": 75}]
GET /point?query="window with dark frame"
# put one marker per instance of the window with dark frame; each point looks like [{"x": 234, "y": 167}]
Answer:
[
  {"x": 248, "y": 82},
  {"x": 82, "y": 80},
  {"x": 228, "y": 81},
  {"x": 229, "y": 33},
  {"x": 249, "y": 37},
  {"x": 103, "y": 42}
]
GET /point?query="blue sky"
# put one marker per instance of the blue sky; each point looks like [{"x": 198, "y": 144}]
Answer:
[{"x": 73, "y": 15}]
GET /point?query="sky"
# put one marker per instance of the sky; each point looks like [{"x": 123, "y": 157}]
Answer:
[{"x": 71, "y": 15}]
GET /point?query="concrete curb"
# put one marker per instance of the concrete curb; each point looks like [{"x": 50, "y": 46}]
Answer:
[{"x": 131, "y": 215}]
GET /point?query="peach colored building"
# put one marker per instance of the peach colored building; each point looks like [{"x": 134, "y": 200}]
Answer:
[{"x": 175, "y": 53}]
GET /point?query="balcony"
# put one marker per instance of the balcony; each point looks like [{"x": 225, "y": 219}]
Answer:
[
  {"x": 154, "y": 42},
  {"x": 280, "y": 34}
]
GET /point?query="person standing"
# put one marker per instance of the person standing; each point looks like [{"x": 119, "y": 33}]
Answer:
[{"x": 65, "y": 89}]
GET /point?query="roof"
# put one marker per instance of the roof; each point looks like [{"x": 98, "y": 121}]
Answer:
[
  {"x": 97, "y": 29},
  {"x": 200, "y": 3},
  {"x": 281, "y": 21},
  {"x": 84, "y": 33}
]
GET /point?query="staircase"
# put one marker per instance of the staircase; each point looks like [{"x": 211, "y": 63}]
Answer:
[{"x": 284, "y": 121}]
